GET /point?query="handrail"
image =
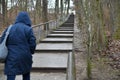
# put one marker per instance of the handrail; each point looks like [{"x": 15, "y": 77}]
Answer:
[
  {"x": 42, "y": 23},
  {"x": 71, "y": 72},
  {"x": 43, "y": 29},
  {"x": 0, "y": 37}
]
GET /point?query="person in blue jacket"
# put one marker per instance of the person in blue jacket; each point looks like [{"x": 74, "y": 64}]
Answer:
[{"x": 21, "y": 44}]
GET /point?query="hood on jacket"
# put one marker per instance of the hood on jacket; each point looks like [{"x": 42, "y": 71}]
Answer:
[{"x": 23, "y": 17}]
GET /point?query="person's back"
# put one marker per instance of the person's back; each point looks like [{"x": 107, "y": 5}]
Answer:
[{"x": 21, "y": 45}]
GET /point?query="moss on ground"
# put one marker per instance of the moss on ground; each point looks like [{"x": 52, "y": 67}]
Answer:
[{"x": 117, "y": 34}]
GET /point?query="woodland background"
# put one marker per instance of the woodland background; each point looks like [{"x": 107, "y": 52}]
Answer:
[{"x": 98, "y": 20}]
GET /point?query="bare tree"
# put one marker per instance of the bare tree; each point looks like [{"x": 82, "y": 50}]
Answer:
[
  {"x": 44, "y": 12},
  {"x": 56, "y": 8},
  {"x": 61, "y": 3},
  {"x": 4, "y": 11},
  {"x": 68, "y": 2},
  {"x": 38, "y": 7}
]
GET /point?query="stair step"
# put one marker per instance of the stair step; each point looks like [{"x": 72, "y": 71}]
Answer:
[
  {"x": 67, "y": 25},
  {"x": 57, "y": 40},
  {"x": 49, "y": 69},
  {"x": 64, "y": 29},
  {"x": 54, "y": 47},
  {"x": 60, "y": 35},
  {"x": 63, "y": 32},
  {"x": 45, "y": 76},
  {"x": 50, "y": 61}
]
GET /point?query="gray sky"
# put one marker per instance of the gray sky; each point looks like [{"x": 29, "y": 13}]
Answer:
[{"x": 51, "y": 3}]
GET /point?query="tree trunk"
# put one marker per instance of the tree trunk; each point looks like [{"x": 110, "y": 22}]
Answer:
[
  {"x": 0, "y": 5},
  {"x": 56, "y": 8},
  {"x": 45, "y": 13},
  {"x": 61, "y": 8},
  {"x": 26, "y": 5},
  {"x": 4, "y": 12},
  {"x": 68, "y": 6},
  {"x": 38, "y": 8}
]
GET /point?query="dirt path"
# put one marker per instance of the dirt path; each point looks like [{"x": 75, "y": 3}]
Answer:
[
  {"x": 100, "y": 70},
  {"x": 80, "y": 57},
  {"x": 1, "y": 72}
]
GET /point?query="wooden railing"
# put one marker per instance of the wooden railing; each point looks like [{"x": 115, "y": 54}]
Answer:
[{"x": 43, "y": 29}]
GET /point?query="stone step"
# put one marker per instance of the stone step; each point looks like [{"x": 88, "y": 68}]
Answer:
[
  {"x": 70, "y": 21},
  {"x": 67, "y": 25},
  {"x": 50, "y": 61},
  {"x": 57, "y": 40},
  {"x": 64, "y": 29},
  {"x": 46, "y": 47},
  {"x": 44, "y": 76},
  {"x": 60, "y": 35},
  {"x": 60, "y": 28},
  {"x": 67, "y": 22},
  {"x": 63, "y": 32}
]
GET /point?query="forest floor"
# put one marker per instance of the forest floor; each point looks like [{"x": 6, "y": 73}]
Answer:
[{"x": 104, "y": 67}]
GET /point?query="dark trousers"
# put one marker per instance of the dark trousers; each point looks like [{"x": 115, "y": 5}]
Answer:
[{"x": 25, "y": 77}]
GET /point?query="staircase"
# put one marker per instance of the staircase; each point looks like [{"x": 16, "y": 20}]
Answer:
[{"x": 51, "y": 56}]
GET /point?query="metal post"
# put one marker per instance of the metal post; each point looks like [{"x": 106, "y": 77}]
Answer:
[
  {"x": 46, "y": 29},
  {"x": 71, "y": 73},
  {"x": 0, "y": 37},
  {"x": 38, "y": 33}
]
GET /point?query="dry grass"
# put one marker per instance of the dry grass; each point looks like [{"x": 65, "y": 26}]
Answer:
[{"x": 101, "y": 70}]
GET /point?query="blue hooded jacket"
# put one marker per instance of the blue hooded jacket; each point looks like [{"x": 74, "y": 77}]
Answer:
[{"x": 21, "y": 44}]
